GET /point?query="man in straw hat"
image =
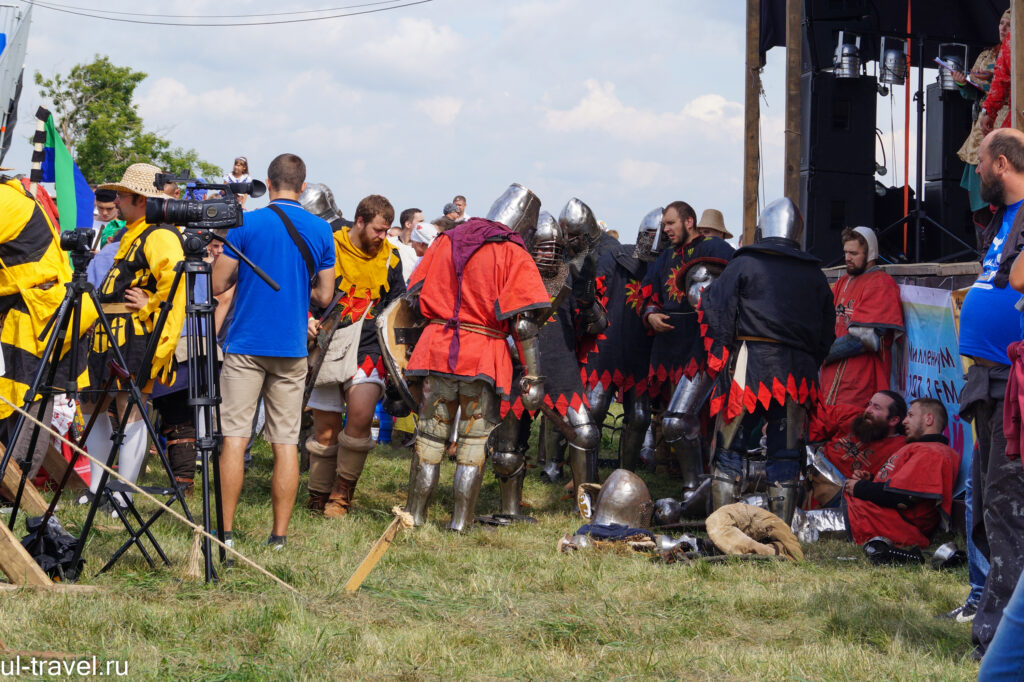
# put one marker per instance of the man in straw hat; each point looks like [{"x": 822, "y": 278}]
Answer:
[
  {"x": 712, "y": 224},
  {"x": 133, "y": 293}
]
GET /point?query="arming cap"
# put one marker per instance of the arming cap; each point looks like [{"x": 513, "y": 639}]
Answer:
[
  {"x": 517, "y": 208},
  {"x": 781, "y": 219},
  {"x": 318, "y": 199},
  {"x": 624, "y": 500},
  {"x": 871, "y": 239}
]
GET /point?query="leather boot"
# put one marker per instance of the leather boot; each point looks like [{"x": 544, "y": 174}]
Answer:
[
  {"x": 340, "y": 498},
  {"x": 317, "y": 501}
]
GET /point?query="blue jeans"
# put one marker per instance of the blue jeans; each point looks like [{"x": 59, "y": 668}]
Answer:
[
  {"x": 977, "y": 564},
  {"x": 1004, "y": 659}
]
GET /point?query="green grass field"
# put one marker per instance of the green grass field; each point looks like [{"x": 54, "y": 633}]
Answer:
[{"x": 491, "y": 603}]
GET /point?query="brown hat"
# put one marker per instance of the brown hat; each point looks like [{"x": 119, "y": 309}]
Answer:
[
  {"x": 712, "y": 219},
  {"x": 138, "y": 178}
]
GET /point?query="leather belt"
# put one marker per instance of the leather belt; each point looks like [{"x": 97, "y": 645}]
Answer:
[
  {"x": 763, "y": 339},
  {"x": 478, "y": 328},
  {"x": 115, "y": 308}
]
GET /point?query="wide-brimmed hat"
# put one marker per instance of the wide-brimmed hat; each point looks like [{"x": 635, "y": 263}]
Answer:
[
  {"x": 138, "y": 178},
  {"x": 712, "y": 219}
]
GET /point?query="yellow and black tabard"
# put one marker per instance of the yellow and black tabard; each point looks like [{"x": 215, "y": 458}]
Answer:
[
  {"x": 33, "y": 271},
  {"x": 145, "y": 259}
]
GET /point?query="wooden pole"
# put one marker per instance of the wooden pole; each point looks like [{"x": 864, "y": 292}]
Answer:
[
  {"x": 401, "y": 520},
  {"x": 751, "y": 120},
  {"x": 794, "y": 45},
  {"x": 1017, "y": 67}
]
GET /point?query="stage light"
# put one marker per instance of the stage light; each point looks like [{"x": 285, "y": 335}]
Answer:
[
  {"x": 894, "y": 62},
  {"x": 950, "y": 60},
  {"x": 846, "y": 61}
]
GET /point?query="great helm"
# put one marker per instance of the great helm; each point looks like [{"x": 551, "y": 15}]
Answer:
[
  {"x": 780, "y": 219},
  {"x": 517, "y": 208},
  {"x": 318, "y": 199},
  {"x": 546, "y": 245},
  {"x": 579, "y": 226},
  {"x": 624, "y": 500},
  {"x": 649, "y": 241}
]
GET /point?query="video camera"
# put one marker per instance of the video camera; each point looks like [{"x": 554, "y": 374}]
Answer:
[
  {"x": 77, "y": 241},
  {"x": 221, "y": 212}
]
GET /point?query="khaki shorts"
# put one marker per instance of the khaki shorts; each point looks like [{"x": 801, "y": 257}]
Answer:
[{"x": 244, "y": 378}]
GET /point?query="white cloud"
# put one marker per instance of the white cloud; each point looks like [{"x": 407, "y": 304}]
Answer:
[
  {"x": 441, "y": 110},
  {"x": 601, "y": 110},
  {"x": 635, "y": 173},
  {"x": 168, "y": 99}
]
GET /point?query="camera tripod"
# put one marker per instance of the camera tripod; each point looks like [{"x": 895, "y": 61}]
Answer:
[{"x": 65, "y": 324}]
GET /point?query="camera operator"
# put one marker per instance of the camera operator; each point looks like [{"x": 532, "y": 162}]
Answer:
[
  {"x": 132, "y": 295},
  {"x": 265, "y": 347}
]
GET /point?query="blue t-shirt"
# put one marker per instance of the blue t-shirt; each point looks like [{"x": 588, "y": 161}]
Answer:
[
  {"x": 267, "y": 322},
  {"x": 989, "y": 322}
]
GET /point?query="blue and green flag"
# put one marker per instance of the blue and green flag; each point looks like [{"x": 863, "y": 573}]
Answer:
[{"x": 75, "y": 199}]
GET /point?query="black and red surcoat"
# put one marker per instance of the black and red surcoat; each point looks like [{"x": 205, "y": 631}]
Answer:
[
  {"x": 618, "y": 358},
  {"x": 664, "y": 290},
  {"x": 559, "y": 341},
  {"x": 774, "y": 300}
]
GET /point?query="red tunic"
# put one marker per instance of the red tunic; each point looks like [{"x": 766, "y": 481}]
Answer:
[
  {"x": 868, "y": 300},
  {"x": 499, "y": 281},
  {"x": 922, "y": 469},
  {"x": 850, "y": 455},
  {"x": 831, "y": 421}
]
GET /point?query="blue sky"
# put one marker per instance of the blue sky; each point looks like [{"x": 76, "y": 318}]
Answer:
[{"x": 626, "y": 105}]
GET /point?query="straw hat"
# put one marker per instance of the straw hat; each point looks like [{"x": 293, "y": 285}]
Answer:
[
  {"x": 712, "y": 219},
  {"x": 138, "y": 178}
]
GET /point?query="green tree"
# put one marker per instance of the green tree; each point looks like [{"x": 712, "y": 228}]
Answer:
[{"x": 93, "y": 108}]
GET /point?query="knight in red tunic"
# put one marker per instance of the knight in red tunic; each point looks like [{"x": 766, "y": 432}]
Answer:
[
  {"x": 869, "y": 319},
  {"x": 912, "y": 494},
  {"x": 872, "y": 436},
  {"x": 477, "y": 286},
  {"x": 565, "y": 252}
]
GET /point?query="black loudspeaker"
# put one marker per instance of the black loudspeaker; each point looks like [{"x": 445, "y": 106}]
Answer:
[
  {"x": 948, "y": 123},
  {"x": 831, "y": 202},
  {"x": 946, "y": 203},
  {"x": 837, "y": 124}
]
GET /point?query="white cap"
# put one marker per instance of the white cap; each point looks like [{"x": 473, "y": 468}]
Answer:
[
  {"x": 424, "y": 233},
  {"x": 872, "y": 240}
]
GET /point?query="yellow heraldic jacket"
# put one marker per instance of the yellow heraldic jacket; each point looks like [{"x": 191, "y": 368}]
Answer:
[
  {"x": 145, "y": 259},
  {"x": 33, "y": 271}
]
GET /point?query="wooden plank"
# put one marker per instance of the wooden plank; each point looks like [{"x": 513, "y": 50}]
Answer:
[
  {"x": 56, "y": 465},
  {"x": 1017, "y": 66},
  {"x": 376, "y": 552},
  {"x": 32, "y": 503},
  {"x": 64, "y": 588},
  {"x": 794, "y": 48},
  {"x": 17, "y": 564},
  {"x": 751, "y": 122}
]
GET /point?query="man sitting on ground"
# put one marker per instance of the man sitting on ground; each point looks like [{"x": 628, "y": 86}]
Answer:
[
  {"x": 866, "y": 444},
  {"x": 913, "y": 491}
]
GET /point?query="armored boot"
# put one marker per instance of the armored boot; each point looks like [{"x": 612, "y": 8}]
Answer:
[
  {"x": 350, "y": 461},
  {"x": 323, "y": 462},
  {"x": 725, "y": 489},
  {"x": 631, "y": 440},
  {"x": 422, "y": 481},
  {"x": 465, "y": 487},
  {"x": 782, "y": 497},
  {"x": 510, "y": 470},
  {"x": 552, "y": 442},
  {"x": 584, "y": 466},
  {"x": 687, "y": 454},
  {"x": 425, "y": 469}
]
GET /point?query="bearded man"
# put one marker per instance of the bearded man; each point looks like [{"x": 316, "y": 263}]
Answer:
[
  {"x": 869, "y": 318},
  {"x": 872, "y": 436}
]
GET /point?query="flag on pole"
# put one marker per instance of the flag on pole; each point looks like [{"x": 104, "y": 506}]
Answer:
[{"x": 75, "y": 199}]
